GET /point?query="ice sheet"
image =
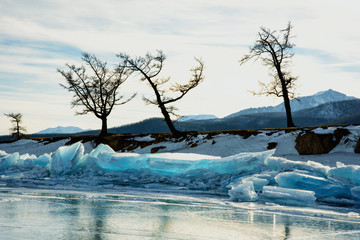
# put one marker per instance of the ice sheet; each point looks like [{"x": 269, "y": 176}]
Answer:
[{"x": 144, "y": 214}]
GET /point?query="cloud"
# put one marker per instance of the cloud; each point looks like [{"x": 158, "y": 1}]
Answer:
[
  {"x": 334, "y": 62},
  {"x": 38, "y": 36}
]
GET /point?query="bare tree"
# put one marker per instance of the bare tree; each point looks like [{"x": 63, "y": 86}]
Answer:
[
  {"x": 149, "y": 68},
  {"x": 17, "y": 130},
  {"x": 97, "y": 92},
  {"x": 275, "y": 51}
]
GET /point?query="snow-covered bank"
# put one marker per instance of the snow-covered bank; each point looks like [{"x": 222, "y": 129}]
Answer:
[
  {"x": 221, "y": 144},
  {"x": 32, "y": 147},
  {"x": 284, "y": 143}
]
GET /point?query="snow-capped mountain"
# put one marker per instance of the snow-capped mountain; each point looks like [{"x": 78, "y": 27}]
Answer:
[
  {"x": 300, "y": 103},
  {"x": 61, "y": 130},
  {"x": 331, "y": 110},
  {"x": 196, "y": 117}
]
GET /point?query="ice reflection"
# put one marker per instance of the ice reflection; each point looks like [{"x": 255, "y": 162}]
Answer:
[
  {"x": 165, "y": 222},
  {"x": 58, "y": 215},
  {"x": 251, "y": 217},
  {"x": 287, "y": 224},
  {"x": 85, "y": 219},
  {"x": 274, "y": 224}
]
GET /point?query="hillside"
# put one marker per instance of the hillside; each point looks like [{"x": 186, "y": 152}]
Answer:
[
  {"x": 323, "y": 108},
  {"x": 300, "y": 103},
  {"x": 343, "y": 112}
]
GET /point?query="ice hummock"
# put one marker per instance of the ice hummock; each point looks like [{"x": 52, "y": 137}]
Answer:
[
  {"x": 243, "y": 192},
  {"x": 288, "y": 196},
  {"x": 66, "y": 159},
  {"x": 244, "y": 177},
  {"x": 9, "y": 160},
  {"x": 322, "y": 187}
]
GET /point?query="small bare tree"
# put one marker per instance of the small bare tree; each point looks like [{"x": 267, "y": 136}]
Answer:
[
  {"x": 17, "y": 130},
  {"x": 149, "y": 68},
  {"x": 97, "y": 92},
  {"x": 275, "y": 51}
]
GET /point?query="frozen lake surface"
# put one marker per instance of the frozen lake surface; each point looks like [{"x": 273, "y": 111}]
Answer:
[{"x": 135, "y": 213}]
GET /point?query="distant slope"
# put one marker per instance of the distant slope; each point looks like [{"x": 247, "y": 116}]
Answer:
[
  {"x": 250, "y": 121},
  {"x": 61, "y": 130},
  {"x": 320, "y": 115},
  {"x": 332, "y": 110},
  {"x": 343, "y": 112},
  {"x": 151, "y": 125},
  {"x": 354, "y": 119},
  {"x": 300, "y": 103},
  {"x": 196, "y": 117}
]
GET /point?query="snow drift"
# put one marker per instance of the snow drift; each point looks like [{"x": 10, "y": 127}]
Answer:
[{"x": 244, "y": 177}]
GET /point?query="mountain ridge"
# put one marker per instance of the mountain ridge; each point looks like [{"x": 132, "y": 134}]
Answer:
[
  {"x": 299, "y": 103},
  {"x": 61, "y": 130}
]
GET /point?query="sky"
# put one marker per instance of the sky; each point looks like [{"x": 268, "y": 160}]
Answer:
[{"x": 38, "y": 37}]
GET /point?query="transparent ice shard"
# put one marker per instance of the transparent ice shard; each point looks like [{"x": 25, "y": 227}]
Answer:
[
  {"x": 288, "y": 196},
  {"x": 66, "y": 158},
  {"x": 321, "y": 186},
  {"x": 9, "y": 160},
  {"x": 243, "y": 192}
]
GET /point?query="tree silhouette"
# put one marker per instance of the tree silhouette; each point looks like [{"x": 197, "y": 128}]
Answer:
[
  {"x": 275, "y": 51},
  {"x": 17, "y": 130},
  {"x": 149, "y": 68},
  {"x": 97, "y": 92}
]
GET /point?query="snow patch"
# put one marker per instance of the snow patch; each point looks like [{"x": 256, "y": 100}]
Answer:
[
  {"x": 196, "y": 117},
  {"x": 145, "y": 139},
  {"x": 329, "y": 130}
]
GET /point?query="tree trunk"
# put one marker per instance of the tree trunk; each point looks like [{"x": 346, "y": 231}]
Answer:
[
  {"x": 164, "y": 112},
  {"x": 289, "y": 119},
  {"x": 285, "y": 94},
  {"x": 17, "y": 130},
  {"x": 168, "y": 121},
  {"x": 104, "y": 131}
]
